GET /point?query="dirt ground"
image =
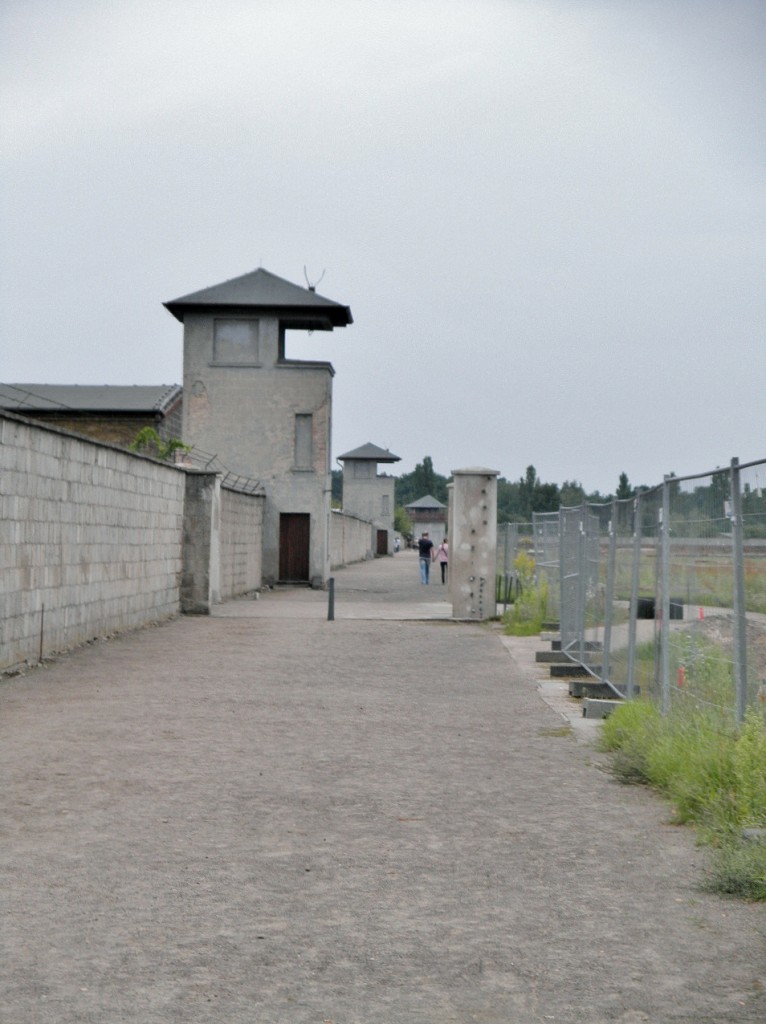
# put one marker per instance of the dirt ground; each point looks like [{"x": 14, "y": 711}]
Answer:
[{"x": 263, "y": 816}]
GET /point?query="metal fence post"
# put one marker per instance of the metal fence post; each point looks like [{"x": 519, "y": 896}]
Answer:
[
  {"x": 582, "y": 581},
  {"x": 633, "y": 610},
  {"x": 740, "y": 618},
  {"x": 506, "y": 570},
  {"x": 562, "y": 585},
  {"x": 609, "y": 599},
  {"x": 665, "y": 597}
]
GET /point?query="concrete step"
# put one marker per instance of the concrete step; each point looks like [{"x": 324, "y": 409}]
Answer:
[
  {"x": 556, "y": 655},
  {"x": 572, "y": 671},
  {"x": 593, "y": 708},
  {"x": 552, "y": 657},
  {"x": 588, "y": 645},
  {"x": 552, "y": 638},
  {"x": 590, "y": 688}
]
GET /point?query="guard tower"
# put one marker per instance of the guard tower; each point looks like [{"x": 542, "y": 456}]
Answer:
[
  {"x": 264, "y": 415},
  {"x": 429, "y": 515},
  {"x": 368, "y": 495}
]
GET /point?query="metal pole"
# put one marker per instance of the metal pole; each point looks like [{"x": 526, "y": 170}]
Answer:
[
  {"x": 665, "y": 595},
  {"x": 740, "y": 617},
  {"x": 331, "y": 599},
  {"x": 633, "y": 613},
  {"x": 582, "y": 581},
  {"x": 610, "y": 572},
  {"x": 42, "y": 631},
  {"x": 506, "y": 570},
  {"x": 562, "y": 563}
]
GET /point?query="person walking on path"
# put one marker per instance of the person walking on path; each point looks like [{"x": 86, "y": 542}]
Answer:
[
  {"x": 425, "y": 554},
  {"x": 442, "y": 557}
]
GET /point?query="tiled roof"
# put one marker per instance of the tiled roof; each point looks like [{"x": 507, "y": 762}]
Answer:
[
  {"x": 89, "y": 397},
  {"x": 372, "y": 453},
  {"x": 427, "y": 502},
  {"x": 262, "y": 290}
]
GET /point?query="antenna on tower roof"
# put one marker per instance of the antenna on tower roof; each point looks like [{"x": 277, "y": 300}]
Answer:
[{"x": 312, "y": 287}]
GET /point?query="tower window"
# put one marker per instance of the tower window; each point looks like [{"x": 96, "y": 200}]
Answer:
[
  {"x": 235, "y": 342},
  {"x": 304, "y": 443}
]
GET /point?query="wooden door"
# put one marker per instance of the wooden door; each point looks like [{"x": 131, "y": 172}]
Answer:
[
  {"x": 294, "y": 536},
  {"x": 382, "y": 542}
]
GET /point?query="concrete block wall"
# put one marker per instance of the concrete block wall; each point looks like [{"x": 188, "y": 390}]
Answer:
[
  {"x": 350, "y": 539},
  {"x": 241, "y": 542},
  {"x": 90, "y": 540}
]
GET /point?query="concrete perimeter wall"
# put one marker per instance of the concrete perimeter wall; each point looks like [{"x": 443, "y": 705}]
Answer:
[
  {"x": 241, "y": 543},
  {"x": 350, "y": 539},
  {"x": 95, "y": 540},
  {"x": 90, "y": 540}
]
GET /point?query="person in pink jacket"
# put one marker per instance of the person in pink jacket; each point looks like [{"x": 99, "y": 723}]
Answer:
[{"x": 442, "y": 557}]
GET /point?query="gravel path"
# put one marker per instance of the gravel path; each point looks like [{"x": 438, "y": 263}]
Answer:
[{"x": 263, "y": 816}]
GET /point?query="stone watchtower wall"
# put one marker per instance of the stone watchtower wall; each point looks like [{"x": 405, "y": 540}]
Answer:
[{"x": 94, "y": 540}]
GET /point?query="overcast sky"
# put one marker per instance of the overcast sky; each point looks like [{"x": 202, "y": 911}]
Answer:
[{"x": 547, "y": 216}]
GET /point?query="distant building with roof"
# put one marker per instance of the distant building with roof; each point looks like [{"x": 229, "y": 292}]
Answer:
[
  {"x": 111, "y": 413},
  {"x": 370, "y": 495},
  {"x": 428, "y": 516}
]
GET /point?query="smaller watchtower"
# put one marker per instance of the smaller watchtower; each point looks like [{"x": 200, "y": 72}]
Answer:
[
  {"x": 428, "y": 516},
  {"x": 369, "y": 495}
]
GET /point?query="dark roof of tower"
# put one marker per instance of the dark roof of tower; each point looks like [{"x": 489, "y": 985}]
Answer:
[
  {"x": 132, "y": 398},
  {"x": 372, "y": 453},
  {"x": 265, "y": 292},
  {"x": 427, "y": 502}
]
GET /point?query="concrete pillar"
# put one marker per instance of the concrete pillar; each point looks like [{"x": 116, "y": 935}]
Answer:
[
  {"x": 200, "y": 579},
  {"x": 473, "y": 543}
]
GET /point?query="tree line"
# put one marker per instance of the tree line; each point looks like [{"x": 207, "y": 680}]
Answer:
[{"x": 516, "y": 499}]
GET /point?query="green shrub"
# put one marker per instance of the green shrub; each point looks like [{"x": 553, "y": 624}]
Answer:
[
  {"x": 739, "y": 869},
  {"x": 149, "y": 441},
  {"x": 750, "y": 771},
  {"x": 528, "y": 613},
  {"x": 693, "y": 764},
  {"x": 714, "y": 774},
  {"x": 629, "y": 734}
]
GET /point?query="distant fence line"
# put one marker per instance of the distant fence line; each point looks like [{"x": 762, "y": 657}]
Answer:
[{"x": 663, "y": 594}]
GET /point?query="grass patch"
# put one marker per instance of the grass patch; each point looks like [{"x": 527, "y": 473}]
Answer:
[
  {"x": 559, "y": 730},
  {"x": 738, "y": 869},
  {"x": 713, "y": 773},
  {"x": 528, "y": 613}
]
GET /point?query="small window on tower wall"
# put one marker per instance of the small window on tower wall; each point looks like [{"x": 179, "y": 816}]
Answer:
[
  {"x": 235, "y": 342},
  {"x": 303, "y": 441},
  {"x": 384, "y": 509}
]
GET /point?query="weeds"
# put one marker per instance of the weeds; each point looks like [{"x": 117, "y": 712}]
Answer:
[
  {"x": 528, "y": 613},
  {"x": 714, "y": 774},
  {"x": 739, "y": 870}
]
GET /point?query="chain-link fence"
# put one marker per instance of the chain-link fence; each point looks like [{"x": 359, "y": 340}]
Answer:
[
  {"x": 513, "y": 539},
  {"x": 664, "y": 595},
  {"x": 547, "y": 553}
]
